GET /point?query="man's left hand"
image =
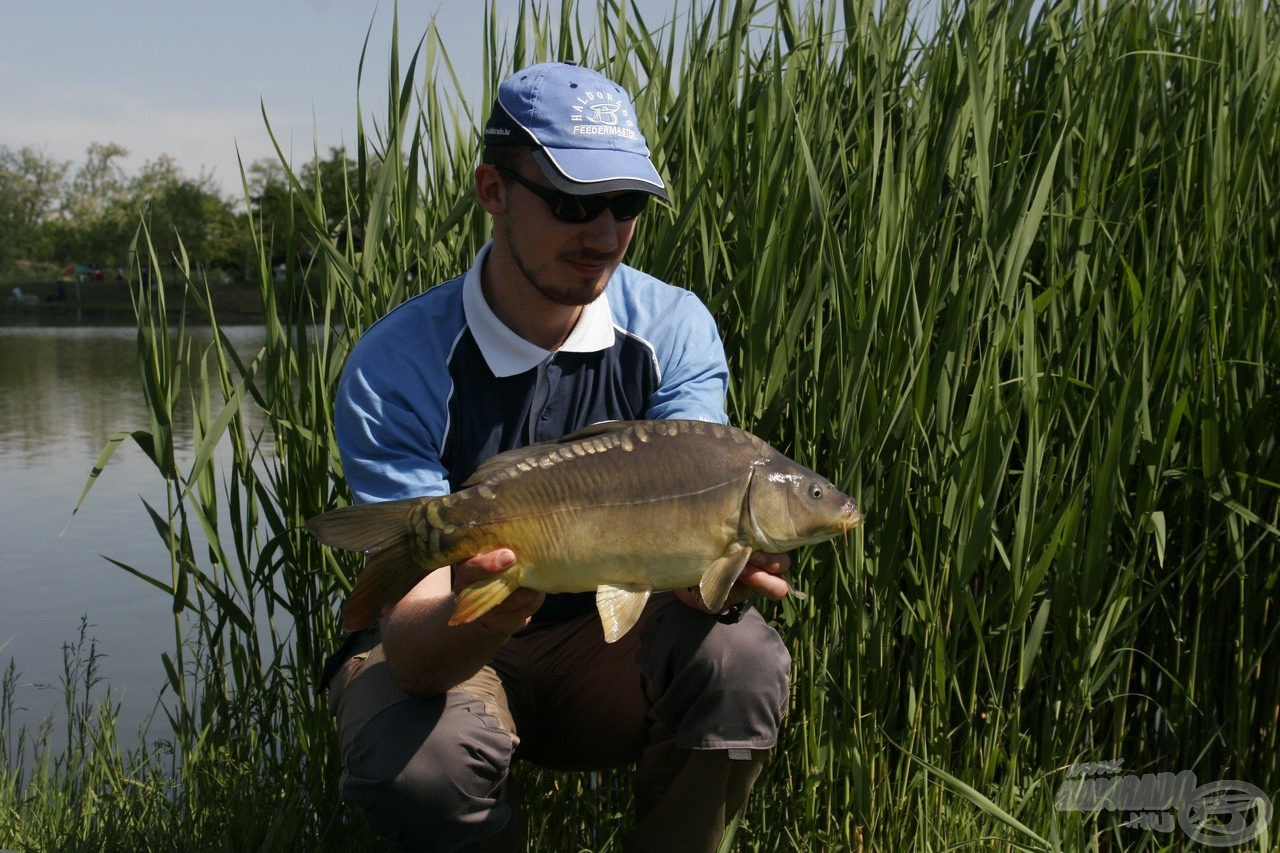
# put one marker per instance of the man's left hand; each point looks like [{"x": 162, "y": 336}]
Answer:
[{"x": 764, "y": 574}]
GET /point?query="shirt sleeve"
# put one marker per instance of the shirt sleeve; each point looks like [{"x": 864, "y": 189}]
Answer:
[
  {"x": 390, "y": 417},
  {"x": 694, "y": 376}
]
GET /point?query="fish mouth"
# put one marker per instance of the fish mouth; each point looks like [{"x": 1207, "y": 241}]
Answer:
[{"x": 850, "y": 516}]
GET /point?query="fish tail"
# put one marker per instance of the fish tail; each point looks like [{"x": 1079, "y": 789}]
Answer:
[
  {"x": 386, "y": 532},
  {"x": 365, "y": 527},
  {"x": 482, "y": 596},
  {"x": 387, "y": 577}
]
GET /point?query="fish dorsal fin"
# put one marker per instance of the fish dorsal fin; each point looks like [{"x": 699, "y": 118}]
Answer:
[
  {"x": 499, "y": 464},
  {"x": 721, "y": 575},
  {"x": 620, "y": 606},
  {"x": 601, "y": 428}
]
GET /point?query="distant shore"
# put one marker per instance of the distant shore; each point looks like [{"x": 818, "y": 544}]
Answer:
[{"x": 107, "y": 303}]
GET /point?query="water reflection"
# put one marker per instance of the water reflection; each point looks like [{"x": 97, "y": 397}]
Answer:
[
  {"x": 72, "y": 388},
  {"x": 65, "y": 392},
  {"x": 65, "y": 388}
]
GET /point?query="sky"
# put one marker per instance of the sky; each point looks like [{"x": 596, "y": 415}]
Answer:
[{"x": 191, "y": 79}]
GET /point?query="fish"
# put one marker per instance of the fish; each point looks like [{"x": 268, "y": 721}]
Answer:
[{"x": 622, "y": 508}]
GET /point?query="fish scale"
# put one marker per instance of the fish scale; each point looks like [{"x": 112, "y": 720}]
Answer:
[{"x": 622, "y": 508}]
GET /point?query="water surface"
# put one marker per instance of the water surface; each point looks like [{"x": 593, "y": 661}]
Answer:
[{"x": 63, "y": 393}]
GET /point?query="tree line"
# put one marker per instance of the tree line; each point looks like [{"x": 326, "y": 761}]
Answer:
[{"x": 59, "y": 213}]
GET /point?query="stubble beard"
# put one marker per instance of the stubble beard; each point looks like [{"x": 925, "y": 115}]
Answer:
[{"x": 573, "y": 294}]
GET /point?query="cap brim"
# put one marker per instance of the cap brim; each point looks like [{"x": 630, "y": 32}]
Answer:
[{"x": 580, "y": 171}]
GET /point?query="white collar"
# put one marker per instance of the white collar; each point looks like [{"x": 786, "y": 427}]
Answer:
[{"x": 507, "y": 353}]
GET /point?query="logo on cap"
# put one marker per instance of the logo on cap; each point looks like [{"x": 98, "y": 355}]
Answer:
[{"x": 597, "y": 114}]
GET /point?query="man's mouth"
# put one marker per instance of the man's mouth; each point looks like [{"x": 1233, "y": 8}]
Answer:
[{"x": 589, "y": 265}]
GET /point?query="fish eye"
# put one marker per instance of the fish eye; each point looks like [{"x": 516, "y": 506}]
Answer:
[{"x": 815, "y": 492}]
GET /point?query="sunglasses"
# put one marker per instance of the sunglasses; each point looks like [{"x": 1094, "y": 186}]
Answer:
[{"x": 577, "y": 209}]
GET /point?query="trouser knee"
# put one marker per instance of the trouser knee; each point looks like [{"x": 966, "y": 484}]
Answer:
[
  {"x": 430, "y": 774},
  {"x": 719, "y": 686}
]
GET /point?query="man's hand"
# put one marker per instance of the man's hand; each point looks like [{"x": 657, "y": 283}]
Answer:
[
  {"x": 427, "y": 656},
  {"x": 514, "y": 612},
  {"x": 764, "y": 574}
]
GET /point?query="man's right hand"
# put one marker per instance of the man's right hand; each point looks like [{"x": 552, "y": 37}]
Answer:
[
  {"x": 513, "y": 612},
  {"x": 426, "y": 655}
]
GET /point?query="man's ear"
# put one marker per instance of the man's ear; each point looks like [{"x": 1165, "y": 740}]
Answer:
[{"x": 491, "y": 189}]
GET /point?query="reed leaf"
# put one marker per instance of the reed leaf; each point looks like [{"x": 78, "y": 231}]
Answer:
[{"x": 1007, "y": 274}]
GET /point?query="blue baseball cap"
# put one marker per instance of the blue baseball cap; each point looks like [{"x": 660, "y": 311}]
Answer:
[{"x": 581, "y": 126}]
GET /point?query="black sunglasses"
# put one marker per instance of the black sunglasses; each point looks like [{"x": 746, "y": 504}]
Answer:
[{"x": 577, "y": 209}]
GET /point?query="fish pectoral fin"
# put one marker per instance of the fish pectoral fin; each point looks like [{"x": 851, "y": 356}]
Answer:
[
  {"x": 720, "y": 576},
  {"x": 478, "y": 598},
  {"x": 620, "y": 606}
]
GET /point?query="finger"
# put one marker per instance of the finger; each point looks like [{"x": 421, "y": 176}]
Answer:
[
  {"x": 521, "y": 598},
  {"x": 514, "y": 612},
  {"x": 493, "y": 561},
  {"x": 481, "y": 566},
  {"x": 522, "y": 603},
  {"x": 777, "y": 564},
  {"x": 757, "y": 580}
]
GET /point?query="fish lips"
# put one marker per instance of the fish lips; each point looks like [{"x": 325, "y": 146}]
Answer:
[{"x": 850, "y": 516}]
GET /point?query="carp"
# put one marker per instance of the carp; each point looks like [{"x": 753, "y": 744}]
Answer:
[{"x": 623, "y": 508}]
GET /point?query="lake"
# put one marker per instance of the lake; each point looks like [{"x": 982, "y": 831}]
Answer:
[{"x": 65, "y": 391}]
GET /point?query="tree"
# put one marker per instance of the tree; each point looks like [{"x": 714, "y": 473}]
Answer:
[
  {"x": 188, "y": 209},
  {"x": 99, "y": 184},
  {"x": 93, "y": 225},
  {"x": 332, "y": 183},
  {"x": 338, "y": 183},
  {"x": 55, "y": 212},
  {"x": 32, "y": 188}
]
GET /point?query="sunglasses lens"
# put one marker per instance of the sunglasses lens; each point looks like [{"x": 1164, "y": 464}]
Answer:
[
  {"x": 580, "y": 209},
  {"x": 628, "y": 205},
  {"x": 572, "y": 209},
  {"x": 577, "y": 209}
]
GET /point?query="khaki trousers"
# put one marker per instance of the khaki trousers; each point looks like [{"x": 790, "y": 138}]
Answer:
[{"x": 693, "y": 703}]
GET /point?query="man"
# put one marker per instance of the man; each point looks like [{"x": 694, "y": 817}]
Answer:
[{"x": 546, "y": 333}]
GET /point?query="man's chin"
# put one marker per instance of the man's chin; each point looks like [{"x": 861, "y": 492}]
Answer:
[{"x": 579, "y": 292}]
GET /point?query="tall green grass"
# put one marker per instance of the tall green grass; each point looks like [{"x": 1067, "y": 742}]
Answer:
[{"x": 1009, "y": 278}]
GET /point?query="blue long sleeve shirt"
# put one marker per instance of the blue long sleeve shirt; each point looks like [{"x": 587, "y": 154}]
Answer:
[{"x": 439, "y": 384}]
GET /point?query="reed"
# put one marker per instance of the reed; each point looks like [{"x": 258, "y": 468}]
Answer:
[{"x": 1011, "y": 280}]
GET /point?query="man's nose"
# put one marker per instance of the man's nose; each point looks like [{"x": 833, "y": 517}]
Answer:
[{"x": 601, "y": 233}]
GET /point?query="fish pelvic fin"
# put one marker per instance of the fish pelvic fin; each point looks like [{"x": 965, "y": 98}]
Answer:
[
  {"x": 620, "y": 606},
  {"x": 721, "y": 575},
  {"x": 387, "y": 577},
  {"x": 478, "y": 598}
]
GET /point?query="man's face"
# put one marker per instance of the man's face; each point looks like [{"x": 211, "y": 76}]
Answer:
[{"x": 567, "y": 263}]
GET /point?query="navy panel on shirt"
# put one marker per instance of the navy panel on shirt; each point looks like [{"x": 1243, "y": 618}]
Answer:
[{"x": 489, "y": 414}]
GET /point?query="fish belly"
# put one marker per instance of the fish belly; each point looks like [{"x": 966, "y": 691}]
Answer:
[
  {"x": 654, "y": 544},
  {"x": 634, "y": 508}
]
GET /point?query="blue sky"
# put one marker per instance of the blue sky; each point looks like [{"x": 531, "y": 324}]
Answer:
[{"x": 188, "y": 79}]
